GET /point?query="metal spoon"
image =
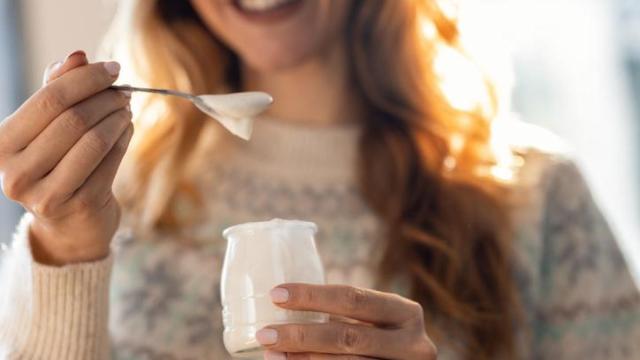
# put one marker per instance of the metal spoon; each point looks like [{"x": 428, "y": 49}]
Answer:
[{"x": 235, "y": 111}]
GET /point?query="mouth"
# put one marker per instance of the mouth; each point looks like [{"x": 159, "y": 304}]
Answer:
[{"x": 267, "y": 9}]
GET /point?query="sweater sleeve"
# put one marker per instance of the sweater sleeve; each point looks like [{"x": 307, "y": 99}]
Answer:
[
  {"x": 51, "y": 312},
  {"x": 589, "y": 304}
]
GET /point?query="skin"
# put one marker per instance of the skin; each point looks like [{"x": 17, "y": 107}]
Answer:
[
  {"x": 302, "y": 62},
  {"x": 59, "y": 153},
  {"x": 302, "y": 58}
]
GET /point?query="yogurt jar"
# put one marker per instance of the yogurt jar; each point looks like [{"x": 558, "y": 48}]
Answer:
[{"x": 260, "y": 256}]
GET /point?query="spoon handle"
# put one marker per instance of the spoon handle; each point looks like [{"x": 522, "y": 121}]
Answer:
[{"x": 155, "y": 91}]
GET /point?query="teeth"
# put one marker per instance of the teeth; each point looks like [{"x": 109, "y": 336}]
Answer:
[{"x": 261, "y": 5}]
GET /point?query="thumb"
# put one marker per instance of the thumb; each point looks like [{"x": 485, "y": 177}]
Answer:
[
  {"x": 75, "y": 59},
  {"x": 48, "y": 70}
]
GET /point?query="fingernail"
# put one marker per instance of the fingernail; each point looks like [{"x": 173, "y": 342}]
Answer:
[
  {"x": 274, "y": 355},
  {"x": 279, "y": 295},
  {"x": 113, "y": 68},
  {"x": 55, "y": 66},
  {"x": 267, "y": 336},
  {"x": 126, "y": 93},
  {"x": 49, "y": 70},
  {"x": 77, "y": 52},
  {"x": 128, "y": 108}
]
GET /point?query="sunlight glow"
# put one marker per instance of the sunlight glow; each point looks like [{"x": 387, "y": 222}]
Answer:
[
  {"x": 429, "y": 30},
  {"x": 450, "y": 8},
  {"x": 460, "y": 81}
]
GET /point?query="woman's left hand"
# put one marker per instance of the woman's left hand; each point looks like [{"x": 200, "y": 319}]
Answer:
[{"x": 376, "y": 325}]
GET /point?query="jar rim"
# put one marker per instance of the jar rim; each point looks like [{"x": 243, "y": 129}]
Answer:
[{"x": 270, "y": 224}]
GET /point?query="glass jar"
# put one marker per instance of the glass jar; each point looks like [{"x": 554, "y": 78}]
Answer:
[{"x": 260, "y": 256}]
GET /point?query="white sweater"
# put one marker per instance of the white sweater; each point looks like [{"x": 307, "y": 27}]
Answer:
[{"x": 163, "y": 300}]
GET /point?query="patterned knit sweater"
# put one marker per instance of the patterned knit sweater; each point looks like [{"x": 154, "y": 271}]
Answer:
[{"x": 157, "y": 295}]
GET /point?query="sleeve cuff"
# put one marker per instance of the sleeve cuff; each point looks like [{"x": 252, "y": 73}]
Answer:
[{"x": 54, "y": 312}]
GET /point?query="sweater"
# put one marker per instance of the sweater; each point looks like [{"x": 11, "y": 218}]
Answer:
[{"x": 156, "y": 296}]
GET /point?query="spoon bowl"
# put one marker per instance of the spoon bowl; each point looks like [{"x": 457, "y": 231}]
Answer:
[{"x": 235, "y": 111}]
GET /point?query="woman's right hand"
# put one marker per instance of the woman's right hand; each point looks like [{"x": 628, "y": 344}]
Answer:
[{"x": 59, "y": 153}]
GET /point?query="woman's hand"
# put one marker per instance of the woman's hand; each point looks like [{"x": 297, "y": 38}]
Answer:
[
  {"x": 373, "y": 325},
  {"x": 59, "y": 153}
]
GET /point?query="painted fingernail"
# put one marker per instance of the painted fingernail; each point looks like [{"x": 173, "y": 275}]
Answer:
[
  {"x": 77, "y": 52},
  {"x": 274, "y": 355},
  {"x": 267, "y": 336},
  {"x": 279, "y": 295},
  {"x": 113, "y": 68}
]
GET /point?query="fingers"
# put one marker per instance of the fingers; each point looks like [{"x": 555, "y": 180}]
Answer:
[
  {"x": 83, "y": 158},
  {"x": 382, "y": 309},
  {"x": 49, "y": 70},
  {"x": 331, "y": 338},
  {"x": 75, "y": 59},
  {"x": 97, "y": 188},
  {"x": 55, "y": 98},
  {"x": 45, "y": 151},
  {"x": 274, "y": 355}
]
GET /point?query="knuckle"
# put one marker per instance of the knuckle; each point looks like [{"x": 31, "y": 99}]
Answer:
[
  {"x": 305, "y": 296},
  {"x": 51, "y": 99},
  {"x": 300, "y": 295},
  {"x": 84, "y": 202},
  {"x": 97, "y": 143},
  {"x": 14, "y": 184},
  {"x": 87, "y": 203},
  {"x": 417, "y": 310},
  {"x": 350, "y": 340},
  {"x": 356, "y": 298},
  {"x": 45, "y": 207},
  {"x": 298, "y": 336},
  {"x": 76, "y": 120}
]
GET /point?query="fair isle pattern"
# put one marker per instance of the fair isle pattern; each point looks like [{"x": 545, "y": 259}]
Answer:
[
  {"x": 165, "y": 290},
  {"x": 588, "y": 305},
  {"x": 164, "y": 302}
]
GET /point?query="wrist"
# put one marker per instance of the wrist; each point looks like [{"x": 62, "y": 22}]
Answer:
[{"x": 54, "y": 248}]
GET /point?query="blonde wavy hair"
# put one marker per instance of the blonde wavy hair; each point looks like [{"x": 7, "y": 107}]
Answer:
[{"x": 424, "y": 167}]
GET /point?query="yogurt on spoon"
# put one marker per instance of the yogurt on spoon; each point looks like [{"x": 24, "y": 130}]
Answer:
[{"x": 235, "y": 111}]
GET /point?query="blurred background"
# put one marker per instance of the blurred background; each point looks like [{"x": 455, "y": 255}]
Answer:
[{"x": 574, "y": 68}]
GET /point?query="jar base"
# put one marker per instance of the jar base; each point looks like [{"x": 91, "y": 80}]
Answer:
[{"x": 249, "y": 353}]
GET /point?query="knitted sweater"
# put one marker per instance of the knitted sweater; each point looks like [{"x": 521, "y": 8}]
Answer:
[{"x": 157, "y": 295}]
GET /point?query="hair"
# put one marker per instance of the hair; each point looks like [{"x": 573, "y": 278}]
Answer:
[{"x": 424, "y": 165}]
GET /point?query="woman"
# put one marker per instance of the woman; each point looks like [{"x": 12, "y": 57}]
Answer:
[{"x": 411, "y": 195}]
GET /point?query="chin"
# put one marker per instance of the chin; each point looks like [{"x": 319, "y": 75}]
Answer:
[
  {"x": 278, "y": 61},
  {"x": 274, "y": 35}
]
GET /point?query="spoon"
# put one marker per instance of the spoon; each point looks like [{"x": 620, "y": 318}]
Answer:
[{"x": 235, "y": 111}]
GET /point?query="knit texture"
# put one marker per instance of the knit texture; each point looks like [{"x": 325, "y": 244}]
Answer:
[
  {"x": 163, "y": 300},
  {"x": 52, "y": 312}
]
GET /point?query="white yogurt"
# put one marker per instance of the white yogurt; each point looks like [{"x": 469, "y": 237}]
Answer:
[
  {"x": 235, "y": 111},
  {"x": 259, "y": 257}
]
